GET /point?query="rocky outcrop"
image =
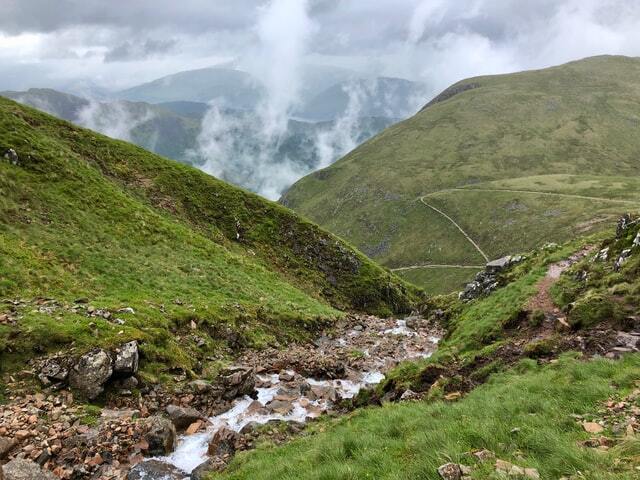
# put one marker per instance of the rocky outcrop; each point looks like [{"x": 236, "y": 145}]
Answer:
[
  {"x": 160, "y": 435},
  {"x": 21, "y": 469},
  {"x": 155, "y": 469},
  {"x": 182, "y": 417},
  {"x": 487, "y": 280},
  {"x": 91, "y": 373},
  {"x": 450, "y": 93}
]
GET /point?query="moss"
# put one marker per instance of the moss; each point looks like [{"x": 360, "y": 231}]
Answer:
[
  {"x": 536, "y": 318},
  {"x": 541, "y": 348}
]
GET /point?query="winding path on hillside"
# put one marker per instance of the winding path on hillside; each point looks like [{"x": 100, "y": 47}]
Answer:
[
  {"x": 455, "y": 224},
  {"x": 432, "y": 265},
  {"x": 534, "y": 192}
]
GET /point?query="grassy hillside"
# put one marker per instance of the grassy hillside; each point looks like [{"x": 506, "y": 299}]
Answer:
[
  {"x": 517, "y": 141},
  {"x": 86, "y": 217},
  {"x": 509, "y": 377}
]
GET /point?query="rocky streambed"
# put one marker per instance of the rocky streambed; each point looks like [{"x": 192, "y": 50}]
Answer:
[
  {"x": 195, "y": 426},
  {"x": 298, "y": 385}
]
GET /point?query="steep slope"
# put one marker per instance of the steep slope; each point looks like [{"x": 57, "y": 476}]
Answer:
[
  {"x": 86, "y": 217},
  {"x": 507, "y": 162},
  {"x": 550, "y": 386}
]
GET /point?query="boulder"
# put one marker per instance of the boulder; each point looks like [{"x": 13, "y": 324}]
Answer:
[
  {"x": 21, "y": 469},
  {"x": 182, "y": 417},
  {"x": 155, "y": 469},
  {"x": 224, "y": 442},
  {"x": 126, "y": 360},
  {"x": 160, "y": 435},
  {"x": 627, "y": 340},
  {"x": 238, "y": 381},
  {"x": 91, "y": 372},
  {"x": 497, "y": 266}
]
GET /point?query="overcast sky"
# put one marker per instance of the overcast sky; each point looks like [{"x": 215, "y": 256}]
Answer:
[{"x": 117, "y": 43}]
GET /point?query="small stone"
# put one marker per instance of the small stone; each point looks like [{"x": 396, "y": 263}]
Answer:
[
  {"x": 453, "y": 396},
  {"x": 484, "y": 455},
  {"x": 592, "y": 427}
]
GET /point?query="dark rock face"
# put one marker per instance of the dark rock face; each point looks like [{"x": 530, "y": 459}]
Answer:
[
  {"x": 487, "y": 280},
  {"x": 156, "y": 470},
  {"x": 21, "y": 469},
  {"x": 126, "y": 359},
  {"x": 91, "y": 373},
  {"x": 182, "y": 417},
  {"x": 161, "y": 435}
]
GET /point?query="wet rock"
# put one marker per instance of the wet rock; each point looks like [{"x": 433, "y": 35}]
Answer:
[
  {"x": 160, "y": 435},
  {"x": 155, "y": 469},
  {"x": 283, "y": 407},
  {"x": 21, "y": 469},
  {"x": 250, "y": 428},
  {"x": 182, "y": 417},
  {"x": 450, "y": 471},
  {"x": 256, "y": 408},
  {"x": 322, "y": 392},
  {"x": 224, "y": 442},
  {"x": 286, "y": 375},
  {"x": 628, "y": 340},
  {"x": 11, "y": 156},
  {"x": 238, "y": 381},
  {"x": 126, "y": 359},
  {"x": 91, "y": 373},
  {"x": 204, "y": 469}
]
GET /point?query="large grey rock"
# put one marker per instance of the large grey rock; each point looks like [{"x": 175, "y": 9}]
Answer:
[
  {"x": 182, "y": 417},
  {"x": 160, "y": 435},
  {"x": 495, "y": 266},
  {"x": 21, "y": 469},
  {"x": 628, "y": 340},
  {"x": 126, "y": 359},
  {"x": 91, "y": 372},
  {"x": 156, "y": 470}
]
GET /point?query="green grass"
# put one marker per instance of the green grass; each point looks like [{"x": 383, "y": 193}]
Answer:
[
  {"x": 568, "y": 129},
  {"x": 439, "y": 281},
  {"x": 411, "y": 440},
  {"x": 87, "y": 216}
]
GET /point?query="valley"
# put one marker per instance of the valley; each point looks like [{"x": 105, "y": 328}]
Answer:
[{"x": 250, "y": 240}]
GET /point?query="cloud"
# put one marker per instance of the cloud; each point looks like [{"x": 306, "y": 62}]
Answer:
[{"x": 131, "y": 51}]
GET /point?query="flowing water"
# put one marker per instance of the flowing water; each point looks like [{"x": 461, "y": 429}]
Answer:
[{"x": 191, "y": 450}]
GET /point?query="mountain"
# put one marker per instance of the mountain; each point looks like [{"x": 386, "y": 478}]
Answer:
[
  {"x": 156, "y": 128},
  {"x": 376, "y": 97},
  {"x": 173, "y": 129},
  {"x": 231, "y": 88},
  {"x": 85, "y": 216},
  {"x": 492, "y": 166}
]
